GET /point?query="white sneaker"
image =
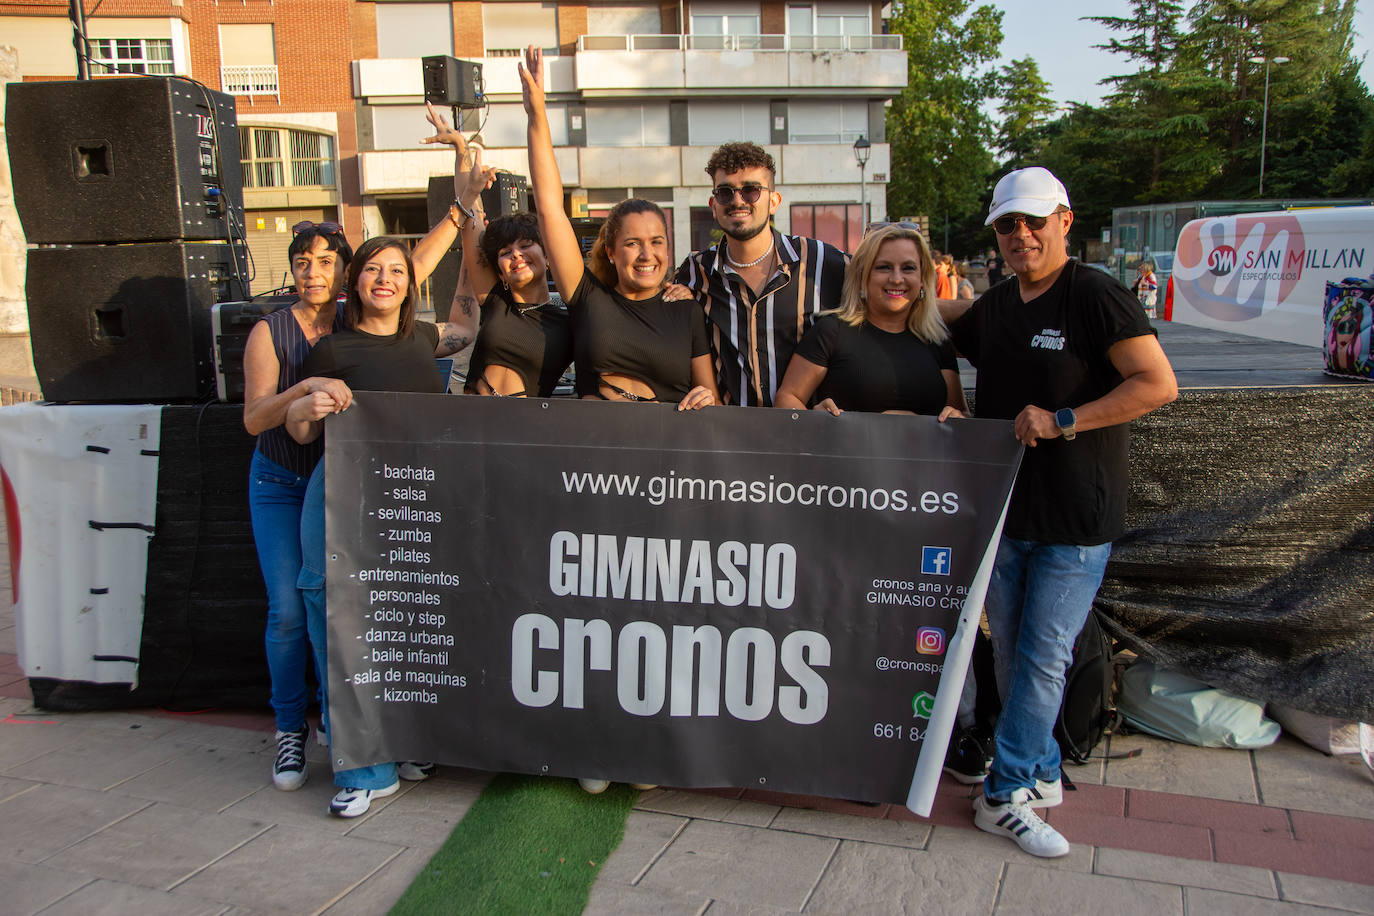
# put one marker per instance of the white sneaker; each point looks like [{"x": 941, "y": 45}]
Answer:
[
  {"x": 288, "y": 769},
  {"x": 414, "y": 770},
  {"x": 1045, "y": 794},
  {"x": 594, "y": 786},
  {"x": 1016, "y": 821},
  {"x": 351, "y": 802}
]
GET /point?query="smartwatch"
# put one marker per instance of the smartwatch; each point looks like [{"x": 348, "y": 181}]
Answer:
[{"x": 1064, "y": 418}]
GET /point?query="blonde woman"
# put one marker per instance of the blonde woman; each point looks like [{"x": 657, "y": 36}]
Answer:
[{"x": 885, "y": 349}]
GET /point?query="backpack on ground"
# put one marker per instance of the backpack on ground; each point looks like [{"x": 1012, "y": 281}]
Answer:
[{"x": 1086, "y": 712}]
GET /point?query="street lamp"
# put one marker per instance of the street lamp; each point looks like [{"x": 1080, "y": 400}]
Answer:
[
  {"x": 1264, "y": 124},
  {"x": 862, "y": 148}
]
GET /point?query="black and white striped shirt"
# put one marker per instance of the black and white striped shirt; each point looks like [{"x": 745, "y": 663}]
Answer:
[{"x": 752, "y": 337}]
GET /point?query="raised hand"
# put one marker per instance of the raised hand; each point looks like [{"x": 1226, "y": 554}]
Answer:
[
  {"x": 444, "y": 133},
  {"x": 532, "y": 79}
]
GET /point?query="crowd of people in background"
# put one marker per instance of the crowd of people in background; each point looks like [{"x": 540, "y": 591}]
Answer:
[{"x": 760, "y": 319}]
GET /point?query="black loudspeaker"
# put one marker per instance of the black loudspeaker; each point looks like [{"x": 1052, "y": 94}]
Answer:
[
  {"x": 508, "y": 194},
  {"x": 128, "y": 322},
  {"x": 453, "y": 82},
  {"x": 124, "y": 160}
]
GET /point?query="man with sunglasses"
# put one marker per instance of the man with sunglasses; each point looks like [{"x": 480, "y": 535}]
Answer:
[
  {"x": 761, "y": 289},
  {"x": 1067, "y": 354}
]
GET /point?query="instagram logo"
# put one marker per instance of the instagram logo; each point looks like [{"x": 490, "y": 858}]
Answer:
[{"x": 930, "y": 641}]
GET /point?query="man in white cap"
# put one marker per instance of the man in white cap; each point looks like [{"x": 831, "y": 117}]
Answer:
[{"x": 1066, "y": 353}]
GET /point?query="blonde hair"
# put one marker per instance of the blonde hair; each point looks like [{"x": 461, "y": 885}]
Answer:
[
  {"x": 924, "y": 318},
  {"x": 599, "y": 261}
]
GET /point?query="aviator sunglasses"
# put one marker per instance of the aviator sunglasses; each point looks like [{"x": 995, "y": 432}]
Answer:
[
  {"x": 750, "y": 193},
  {"x": 1006, "y": 225}
]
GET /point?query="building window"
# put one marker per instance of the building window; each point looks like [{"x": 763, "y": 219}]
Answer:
[
  {"x": 720, "y": 26},
  {"x": 281, "y": 157},
  {"x": 841, "y": 225},
  {"x": 248, "y": 60},
  {"x": 131, "y": 55},
  {"x": 414, "y": 29},
  {"x": 826, "y": 121},
  {"x": 826, "y": 26},
  {"x": 507, "y": 28},
  {"x": 619, "y": 124}
]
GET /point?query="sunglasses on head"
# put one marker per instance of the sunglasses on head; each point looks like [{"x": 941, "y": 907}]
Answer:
[
  {"x": 1006, "y": 225},
  {"x": 326, "y": 228},
  {"x": 750, "y": 193}
]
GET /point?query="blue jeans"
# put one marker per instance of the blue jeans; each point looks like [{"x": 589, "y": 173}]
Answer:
[
  {"x": 275, "y": 495},
  {"x": 311, "y": 583},
  {"x": 1037, "y": 602}
]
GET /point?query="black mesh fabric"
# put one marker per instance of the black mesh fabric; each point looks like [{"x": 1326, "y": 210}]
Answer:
[{"x": 1249, "y": 559}]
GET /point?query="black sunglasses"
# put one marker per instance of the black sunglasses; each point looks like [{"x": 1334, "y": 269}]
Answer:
[
  {"x": 750, "y": 193},
  {"x": 1006, "y": 225},
  {"x": 326, "y": 228}
]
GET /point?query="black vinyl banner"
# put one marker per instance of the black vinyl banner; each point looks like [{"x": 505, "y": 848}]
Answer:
[{"x": 724, "y": 597}]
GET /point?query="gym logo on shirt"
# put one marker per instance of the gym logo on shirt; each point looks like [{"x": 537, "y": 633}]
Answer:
[{"x": 1048, "y": 339}]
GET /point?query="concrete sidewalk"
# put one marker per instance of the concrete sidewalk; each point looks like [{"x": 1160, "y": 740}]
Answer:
[{"x": 149, "y": 812}]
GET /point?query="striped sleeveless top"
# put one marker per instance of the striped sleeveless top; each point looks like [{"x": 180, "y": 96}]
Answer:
[{"x": 288, "y": 340}]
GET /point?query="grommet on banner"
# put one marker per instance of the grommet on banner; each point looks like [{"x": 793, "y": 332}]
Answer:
[
  {"x": 763, "y": 780},
  {"x": 544, "y": 768},
  {"x": 545, "y": 405},
  {"x": 796, "y": 416}
]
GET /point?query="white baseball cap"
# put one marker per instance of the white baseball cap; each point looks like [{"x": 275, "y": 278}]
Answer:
[{"x": 1033, "y": 191}]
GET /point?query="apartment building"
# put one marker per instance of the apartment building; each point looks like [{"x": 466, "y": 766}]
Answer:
[{"x": 331, "y": 111}]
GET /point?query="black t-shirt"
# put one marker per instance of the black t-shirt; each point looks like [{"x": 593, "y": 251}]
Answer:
[
  {"x": 872, "y": 370},
  {"x": 537, "y": 343},
  {"x": 366, "y": 362},
  {"x": 648, "y": 339},
  {"x": 1052, "y": 352}
]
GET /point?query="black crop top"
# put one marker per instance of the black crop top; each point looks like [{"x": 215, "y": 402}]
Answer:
[
  {"x": 534, "y": 342},
  {"x": 648, "y": 339}
]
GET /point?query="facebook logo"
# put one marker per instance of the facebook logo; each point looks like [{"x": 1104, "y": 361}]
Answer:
[{"x": 935, "y": 561}]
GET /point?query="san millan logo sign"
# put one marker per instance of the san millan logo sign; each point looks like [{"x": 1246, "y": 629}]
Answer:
[{"x": 1237, "y": 268}]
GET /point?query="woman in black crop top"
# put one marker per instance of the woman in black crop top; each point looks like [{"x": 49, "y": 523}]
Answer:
[
  {"x": 630, "y": 344},
  {"x": 885, "y": 349}
]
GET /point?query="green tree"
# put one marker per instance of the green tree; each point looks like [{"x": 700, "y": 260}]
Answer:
[
  {"x": 939, "y": 135},
  {"x": 1026, "y": 107}
]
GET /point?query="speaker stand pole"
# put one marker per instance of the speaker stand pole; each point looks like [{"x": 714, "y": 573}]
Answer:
[{"x": 78, "y": 17}]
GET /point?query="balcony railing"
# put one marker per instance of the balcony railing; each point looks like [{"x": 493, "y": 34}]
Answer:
[
  {"x": 739, "y": 43},
  {"x": 251, "y": 80}
]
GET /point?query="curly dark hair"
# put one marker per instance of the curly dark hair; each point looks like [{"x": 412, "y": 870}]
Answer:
[
  {"x": 507, "y": 230},
  {"x": 733, "y": 157}
]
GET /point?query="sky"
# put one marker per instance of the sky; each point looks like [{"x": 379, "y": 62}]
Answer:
[{"x": 1051, "y": 32}]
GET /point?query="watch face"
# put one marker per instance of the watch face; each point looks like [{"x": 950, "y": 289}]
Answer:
[{"x": 1064, "y": 418}]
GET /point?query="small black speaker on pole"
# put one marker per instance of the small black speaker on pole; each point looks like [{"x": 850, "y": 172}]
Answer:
[{"x": 453, "y": 82}]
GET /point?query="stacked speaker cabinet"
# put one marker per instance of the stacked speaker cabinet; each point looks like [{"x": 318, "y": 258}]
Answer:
[{"x": 131, "y": 189}]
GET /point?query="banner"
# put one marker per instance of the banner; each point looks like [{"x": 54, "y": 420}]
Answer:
[{"x": 724, "y": 597}]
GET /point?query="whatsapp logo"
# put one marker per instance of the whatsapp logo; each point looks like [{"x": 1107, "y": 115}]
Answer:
[{"x": 922, "y": 705}]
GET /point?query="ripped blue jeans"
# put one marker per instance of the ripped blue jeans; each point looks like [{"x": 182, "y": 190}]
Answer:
[{"x": 1037, "y": 602}]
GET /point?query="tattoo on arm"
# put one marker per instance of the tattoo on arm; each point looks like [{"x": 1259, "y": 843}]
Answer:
[{"x": 466, "y": 303}]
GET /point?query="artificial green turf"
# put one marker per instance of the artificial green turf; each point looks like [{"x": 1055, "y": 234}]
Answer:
[{"x": 528, "y": 845}]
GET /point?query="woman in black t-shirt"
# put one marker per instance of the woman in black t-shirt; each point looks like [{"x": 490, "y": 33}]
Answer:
[
  {"x": 885, "y": 349},
  {"x": 381, "y": 348},
  {"x": 630, "y": 343}
]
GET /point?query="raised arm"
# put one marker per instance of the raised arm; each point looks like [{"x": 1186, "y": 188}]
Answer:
[
  {"x": 461, "y": 329},
  {"x": 561, "y": 249},
  {"x": 469, "y": 193},
  {"x": 430, "y": 250}
]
